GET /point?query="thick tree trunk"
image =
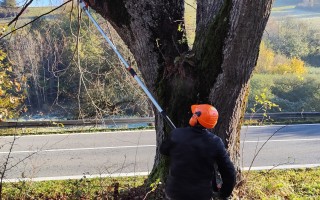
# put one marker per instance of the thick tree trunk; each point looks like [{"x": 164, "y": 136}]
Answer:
[{"x": 216, "y": 70}]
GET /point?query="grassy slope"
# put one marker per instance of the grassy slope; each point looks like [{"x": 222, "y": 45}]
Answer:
[
  {"x": 275, "y": 184},
  {"x": 287, "y": 8},
  {"x": 29, "y": 14}
]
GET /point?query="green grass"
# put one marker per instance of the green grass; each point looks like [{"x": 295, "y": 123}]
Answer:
[
  {"x": 64, "y": 130},
  {"x": 281, "y": 122},
  {"x": 84, "y": 188},
  {"x": 283, "y": 184},
  {"x": 36, "y": 11},
  {"x": 31, "y": 13},
  {"x": 274, "y": 184},
  {"x": 314, "y": 71}
]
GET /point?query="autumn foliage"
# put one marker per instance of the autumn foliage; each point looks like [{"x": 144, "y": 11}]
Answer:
[
  {"x": 271, "y": 63},
  {"x": 11, "y": 94}
]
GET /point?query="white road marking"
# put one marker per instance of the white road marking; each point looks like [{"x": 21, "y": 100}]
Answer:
[
  {"x": 147, "y": 173},
  {"x": 282, "y": 167},
  {"x": 143, "y": 146},
  {"x": 284, "y": 140}
]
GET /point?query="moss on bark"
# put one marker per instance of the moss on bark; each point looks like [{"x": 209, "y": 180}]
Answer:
[
  {"x": 211, "y": 56},
  {"x": 160, "y": 171}
]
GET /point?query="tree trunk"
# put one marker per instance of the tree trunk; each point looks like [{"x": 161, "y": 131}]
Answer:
[{"x": 215, "y": 71}]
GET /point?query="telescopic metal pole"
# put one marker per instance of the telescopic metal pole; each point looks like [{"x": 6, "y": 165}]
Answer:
[{"x": 132, "y": 72}]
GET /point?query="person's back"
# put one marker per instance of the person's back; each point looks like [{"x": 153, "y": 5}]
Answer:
[{"x": 193, "y": 152}]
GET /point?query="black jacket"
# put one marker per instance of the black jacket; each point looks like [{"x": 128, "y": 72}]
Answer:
[{"x": 193, "y": 152}]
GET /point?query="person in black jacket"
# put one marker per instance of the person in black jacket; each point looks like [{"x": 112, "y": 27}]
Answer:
[{"x": 194, "y": 152}]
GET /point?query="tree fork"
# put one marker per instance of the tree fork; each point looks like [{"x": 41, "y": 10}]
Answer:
[{"x": 225, "y": 52}]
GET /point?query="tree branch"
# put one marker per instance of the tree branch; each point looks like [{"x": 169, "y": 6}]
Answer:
[
  {"x": 20, "y": 13},
  {"x": 35, "y": 19}
]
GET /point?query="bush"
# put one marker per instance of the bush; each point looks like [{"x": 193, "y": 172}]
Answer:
[
  {"x": 295, "y": 94},
  {"x": 291, "y": 92}
]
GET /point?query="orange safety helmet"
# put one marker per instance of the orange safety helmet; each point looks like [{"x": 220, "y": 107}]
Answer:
[{"x": 205, "y": 114}]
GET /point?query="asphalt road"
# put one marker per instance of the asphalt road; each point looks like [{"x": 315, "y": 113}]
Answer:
[{"x": 101, "y": 154}]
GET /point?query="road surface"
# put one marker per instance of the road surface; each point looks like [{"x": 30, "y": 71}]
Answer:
[{"x": 64, "y": 156}]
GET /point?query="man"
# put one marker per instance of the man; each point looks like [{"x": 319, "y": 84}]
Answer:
[{"x": 193, "y": 152}]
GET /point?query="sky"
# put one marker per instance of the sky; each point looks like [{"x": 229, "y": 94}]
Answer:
[{"x": 39, "y": 3}]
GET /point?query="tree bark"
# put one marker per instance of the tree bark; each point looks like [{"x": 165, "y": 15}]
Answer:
[{"x": 216, "y": 70}]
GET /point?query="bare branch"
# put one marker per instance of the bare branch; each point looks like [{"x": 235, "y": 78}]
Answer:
[
  {"x": 20, "y": 13},
  {"x": 255, "y": 156},
  {"x": 35, "y": 19}
]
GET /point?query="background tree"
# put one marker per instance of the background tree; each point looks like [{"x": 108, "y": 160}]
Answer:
[
  {"x": 216, "y": 70},
  {"x": 46, "y": 54},
  {"x": 294, "y": 38},
  {"x": 11, "y": 94}
]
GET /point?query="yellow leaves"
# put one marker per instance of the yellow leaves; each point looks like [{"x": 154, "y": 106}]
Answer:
[
  {"x": 12, "y": 99},
  {"x": 269, "y": 62},
  {"x": 3, "y": 29},
  {"x": 17, "y": 86},
  {"x": 265, "y": 60},
  {"x": 298, "y": 66},
  {"x": 24, "y": 79},
  {"x": 2, "y": 55},
  {"x": 2, "y": 92},
  {"x": 11, "y": 96},
  {"x": 263, "y": 102},
  {"x": 3, "y": 114},
  {"x": 180, "y": 28},
  {"x": 292, "y": 66},
  {"x": 282, "y": 69},
  {"x": 58, "y": 124},
  {"x": 9, "y": 69}
]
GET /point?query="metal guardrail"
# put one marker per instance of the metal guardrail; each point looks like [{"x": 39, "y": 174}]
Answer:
[
  {"x": 284, "y": 115},
  {"x": 85, "y": 122},
  {"x": 118, "y": 121}
]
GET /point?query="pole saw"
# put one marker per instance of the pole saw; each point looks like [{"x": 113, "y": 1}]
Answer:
[{"x": 84, "y": 7}]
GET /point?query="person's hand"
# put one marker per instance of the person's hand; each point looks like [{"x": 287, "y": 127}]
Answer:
[{"x": 217, "y": 196}]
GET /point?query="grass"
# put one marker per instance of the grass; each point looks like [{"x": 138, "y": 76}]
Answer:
[
  {"x": 274, "y": 184},
  {"x": 64, "y": 130},
  {"x": 30, "y": 13},
  {"x": 96, "y": 188},
  {"x": 314, "y": 70},
  {"x": 36, "y": 11},
  {"x": 281, "y": 122},
  {"x": 283, "y": 184}
]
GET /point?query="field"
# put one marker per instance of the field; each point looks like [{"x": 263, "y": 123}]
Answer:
[
  {"x": 29, "y": 14},
  {"x": 281, "y": 11},
  {"x": 290, "y": 9}
]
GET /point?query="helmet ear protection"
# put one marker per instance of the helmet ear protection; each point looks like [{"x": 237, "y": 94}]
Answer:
[
  {"x": 205, "y": 115},
  {"x": 194, "y": 119}
]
